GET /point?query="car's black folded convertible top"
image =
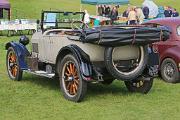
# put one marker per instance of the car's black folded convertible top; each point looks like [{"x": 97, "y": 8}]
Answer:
[{"x": 116, "y": 36}]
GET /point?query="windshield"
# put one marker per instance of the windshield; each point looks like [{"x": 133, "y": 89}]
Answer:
[
  {"x": 178, "y": 30},
  {"x": 56, "y": 19}
]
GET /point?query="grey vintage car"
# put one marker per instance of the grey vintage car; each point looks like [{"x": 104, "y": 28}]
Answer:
[{"x": 68, "y": 49}]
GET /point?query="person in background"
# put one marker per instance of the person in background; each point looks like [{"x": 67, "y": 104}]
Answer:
[
  {"x": 140, "y": 15},
  {"x": 116, "y": 8},
  {"x": 146, "y": 12},
  {"x": 1, "y": 13},
  {"x": 132, "y": 18},
  {"x": 170, "y": 10},
  {"x": 161, "y": 12},
  {"x": 167, "y": 11},
  {"x": 103, "y": 10},
  {"x": 86, "y": 17},
  {"x": 175, "y": 13},
  {"x": 126, "y": 12},
  {"x": 107, "y": 11},
  {"x": 100, "y": 10},
  {"x": 113, "y": 15}
]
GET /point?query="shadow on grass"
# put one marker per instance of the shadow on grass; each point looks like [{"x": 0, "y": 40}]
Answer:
[
  {"x": 116, "y": 88},
  {"x": 52, "y": 84}
]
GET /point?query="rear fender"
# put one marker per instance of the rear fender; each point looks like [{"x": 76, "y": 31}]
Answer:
[
  {"x": 21, "y": 51},
  {"x": 82, "y": 58}
]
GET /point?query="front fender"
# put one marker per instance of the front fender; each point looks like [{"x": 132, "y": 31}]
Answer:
[
  {"x": 82, "y": 58},
  {"x": 21, "y": 51},
  {"x": 172, "y": 53}
]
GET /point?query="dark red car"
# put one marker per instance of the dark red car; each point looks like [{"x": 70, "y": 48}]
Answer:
[{"x": 169, "y": 50}]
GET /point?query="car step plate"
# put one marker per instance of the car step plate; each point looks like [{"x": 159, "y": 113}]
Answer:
[{"x": 41, "y": 73}]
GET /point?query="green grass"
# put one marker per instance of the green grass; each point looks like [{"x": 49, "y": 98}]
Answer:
[
  {"x": 36, "y": 98},
  {"x": 33, "y": 8}
]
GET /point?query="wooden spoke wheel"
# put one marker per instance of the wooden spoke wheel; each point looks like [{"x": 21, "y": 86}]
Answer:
[
  {"x": 71, "y": 78},
  {"x": 139, "y": 85},
  {"x": 71, "y": 82},
  {"x": 12, "y": 64}
]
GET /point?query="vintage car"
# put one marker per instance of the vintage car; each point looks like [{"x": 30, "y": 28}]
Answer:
[
  {"x": 169, "y": 50},
  {"x": 67, "y": 49}
]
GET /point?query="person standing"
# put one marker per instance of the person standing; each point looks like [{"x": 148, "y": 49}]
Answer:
[
  {"x": 116, "y": 8},
  {"x": 86, "y": 17},
  {"x": 107, "y": 11},
  {"x": 167, "y": 11},
  {"x": 103, "y": 10},
  {"x": 113, "y": 15},
  {"x": 100, "y": 10},
  {"x": 146, "y": 12},
  {"x": 140, "y": 15},
  {"x": 132, "y": 17},
  {"x": 1, "y": 13},
  {"x": 175, "y": 13}
]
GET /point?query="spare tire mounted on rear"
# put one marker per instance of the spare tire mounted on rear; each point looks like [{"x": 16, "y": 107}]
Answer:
[{"x": 126, "y": 69}]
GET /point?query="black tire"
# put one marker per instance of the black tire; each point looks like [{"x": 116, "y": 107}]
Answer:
[
  {"x": 127, "y": 75},
  {"x": 140, "y": 86},
  {"x": 72, "y": 85},
  {"x": 169, "y": 71},
  {"x": 12, "y": 65}
]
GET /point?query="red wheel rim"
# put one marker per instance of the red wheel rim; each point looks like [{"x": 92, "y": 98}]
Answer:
[
  {"x": 12, "y": 64},
  {"x": 71, "y": 79}
]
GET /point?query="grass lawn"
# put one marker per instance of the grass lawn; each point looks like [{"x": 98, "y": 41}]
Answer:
[{"x": 36, "y": 98}]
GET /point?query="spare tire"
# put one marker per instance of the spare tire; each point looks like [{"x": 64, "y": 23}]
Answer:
[{"x": 129, "y": 71}]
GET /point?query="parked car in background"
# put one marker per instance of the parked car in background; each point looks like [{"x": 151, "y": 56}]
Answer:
[{"x": 169, "y": 50}]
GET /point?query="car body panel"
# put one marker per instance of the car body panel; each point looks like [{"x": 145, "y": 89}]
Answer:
[
  {"x": 50, "y": 45},
  {"x": 81, "y": 57}
]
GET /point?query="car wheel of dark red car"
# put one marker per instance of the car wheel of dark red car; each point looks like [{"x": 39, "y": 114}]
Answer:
[
  {"x": 169, "y": 71},
  {"x": 72, "y": 84}
]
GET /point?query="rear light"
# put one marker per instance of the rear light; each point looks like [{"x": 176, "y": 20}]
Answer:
[{"x": 88, "y": 78}]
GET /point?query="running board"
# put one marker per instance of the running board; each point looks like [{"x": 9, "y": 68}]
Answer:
[{"x": 41, "y": 73}]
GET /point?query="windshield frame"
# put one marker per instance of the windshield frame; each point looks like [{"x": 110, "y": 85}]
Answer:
[{"x": 43, "y": 22}]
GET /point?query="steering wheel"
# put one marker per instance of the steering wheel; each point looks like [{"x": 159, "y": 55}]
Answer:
[{"x": 82, "y": 26}]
